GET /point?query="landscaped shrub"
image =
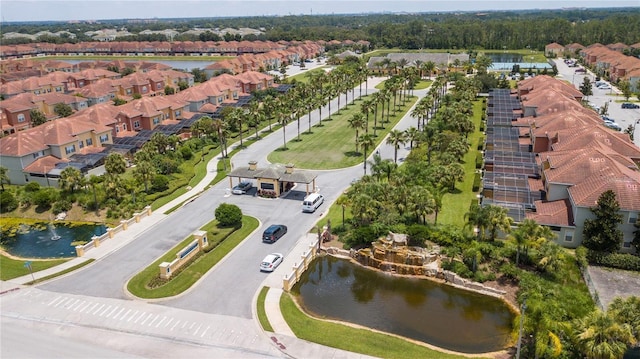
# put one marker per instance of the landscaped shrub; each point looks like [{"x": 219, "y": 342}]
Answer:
[
  {"x": 458, "y": 268},
  {"x": 229, "y": 215},
  {"x": 480, "y": 143},
  {"x": 186, "y": 153},
  {"x": 479, "y": 161},
  {"x": 32, "y": 187},
  {"x": 477, "y": 181},
  {"x": 44, "y": 197},
  {"x": 8, "y": 202},
  {"x": 62, "y": 205},
  {"x": 159, "y": 183},
  {"x": 614, "y": 260},
  {"x": 417, "y": 234},
  {"x": 361, "y": 236}
]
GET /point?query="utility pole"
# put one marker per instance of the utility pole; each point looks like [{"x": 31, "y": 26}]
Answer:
[{"x": 523, "y": 307}]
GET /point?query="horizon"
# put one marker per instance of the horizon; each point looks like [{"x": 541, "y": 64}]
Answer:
[{"x": 17, "y": 11}]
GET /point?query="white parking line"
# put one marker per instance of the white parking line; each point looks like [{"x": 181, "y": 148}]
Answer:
[
  {"x": 85, "y": 307},
  {"x": 121, "y": 310},
  {"x": 132, "y": 315},
  {"x": 145, "y": 319},
  {"x": 76, "y": 306},
  {"x": 154, "y": 319},
  {"x": 54, "y": 300},
  {"x": 202, "y": 335},
  {"x": 97, "y": 310},
  {"x": 111, "y": 312},
  {"x": 160, "y": 322},
  {"x": 104, "y": 311},
  {"x": 178, "y": 322},
  {"x": 140, "y": 317}
]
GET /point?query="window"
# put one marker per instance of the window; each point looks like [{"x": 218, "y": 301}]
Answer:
[
  {"x": 124, "y": 126},
  {"x": 633, "y": 218},
  {"x": 144, "y": 89},
  {"x": 178, "y": 112},
  {"x": 38, "y": 154},
  {"x": 136, "y": 124},
  {"x": 70, "y": 149},
  {"x": 626, "y": 244},
  {"x": 21, "y": 118},
  {"x": 568, "y": 236},
  {"x": 117, "y": 129},
  {"x": 159, "y": 85},
  {"x": 128, "y": 91},
  {"x": 80, "y": 144},
  {"x": 89, "y": 141},
  {"x": 156, "y": 120},
  {"x": 104, "y": 138}
]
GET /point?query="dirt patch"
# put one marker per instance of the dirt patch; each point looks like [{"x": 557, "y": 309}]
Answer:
[{"x": 611, "y": 283}]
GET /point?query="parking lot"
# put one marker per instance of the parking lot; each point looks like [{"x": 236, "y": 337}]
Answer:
[{"x": 625, "y": 117}]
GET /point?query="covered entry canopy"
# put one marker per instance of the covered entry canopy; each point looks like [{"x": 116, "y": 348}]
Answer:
[{"x": 275, "y": 179}]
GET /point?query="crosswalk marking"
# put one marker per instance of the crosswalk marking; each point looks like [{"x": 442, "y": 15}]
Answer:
[
  {"x": 160, "y": 322},
  {"x": 111, "y": 312},
  {"x": 97, "y": 310},
  {"x": 121, "y": 310},
  {"x": 169, "y": 322},
  {"x": 104, "y": 311},
  {"x": 202, "y": 335},
  {"x": 145, "y": 319},
  {"x": 154, "y": 319},
  {"x": 95, "y": 305},
  {"x": 178, "y": 322},
  {"x": 53, "y": 301},
  {"x": 140, "y": 317}
]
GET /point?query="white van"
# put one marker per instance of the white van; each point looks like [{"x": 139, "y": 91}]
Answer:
[{"x": 312, "y": 202}]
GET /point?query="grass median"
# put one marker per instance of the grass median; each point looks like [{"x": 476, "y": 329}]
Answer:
[
  {"x": 334, "y": 140},
  {"x": 11, "y": 268},
  {"x": 223, "y": 241},
  {"x": 352, "y": 339}
]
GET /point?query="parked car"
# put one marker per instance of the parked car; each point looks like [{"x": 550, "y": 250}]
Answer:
[
  {"x": 630, "y": 105},
  {"x": 604, "y": 87},
  {"x": 271, "y": 262},
  {"x": 274, "y": 232},
  {"x": 613, "y": 125},
  {"x": 242, "y": 187},
  {"x": 581, "y": 70}
]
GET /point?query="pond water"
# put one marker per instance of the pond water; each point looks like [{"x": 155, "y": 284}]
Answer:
[
  {"x": 419, "y": 309},
  {"x": 42, "y": 243}
]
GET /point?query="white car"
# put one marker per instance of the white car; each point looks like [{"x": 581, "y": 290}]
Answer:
[
  {"x": 604, "y": 87},
  {"x": 613, "y": 125},
  {"x": 242, "y": 188},
  {"x": 271, "y": 262}
]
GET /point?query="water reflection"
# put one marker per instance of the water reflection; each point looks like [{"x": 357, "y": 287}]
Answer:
[
  {"x": 36, "y": 242},
  {"x": 419, "y": 309}
]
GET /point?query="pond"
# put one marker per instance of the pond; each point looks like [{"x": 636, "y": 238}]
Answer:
[
  {"x": 50, "y": 240},
  {"x": 419, "y": 309}
]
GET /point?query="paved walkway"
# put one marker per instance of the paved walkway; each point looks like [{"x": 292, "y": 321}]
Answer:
[{"x": 283, "y": 337}]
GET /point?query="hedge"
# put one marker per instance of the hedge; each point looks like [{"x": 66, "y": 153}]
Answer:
[
  {"x": 480, "y": 143},
  {"x": 614, "y": 260},
  {"x": 477, "y": 180},
  {"x": 479, "y": 161}
]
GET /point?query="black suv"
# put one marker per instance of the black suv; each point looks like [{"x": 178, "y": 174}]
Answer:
[
  {"x": 630, "y": 105},
  {"x": 274, "y": 232}
]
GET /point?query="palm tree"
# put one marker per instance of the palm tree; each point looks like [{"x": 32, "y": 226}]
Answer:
[
  {"x": 396, "y": 138},
  {"x": 477, "y": 219},
  {"x": 115, "y": 164},
  {"x": 357, "y": 123},
  {"x": 601, "y": 337},
  {"x": 4, "y": 177},
  {"x": 412, "y": 135},
  {"x": 220, "y": 128},
  {"x": 343, "y": 202},
  {"x": 283, "y": 119},
  {"x": 366, "y": 108},
  {"x": 529, "y": 233},
  {"x": 366, "y": 141},
  {"x": 497, "y": 219},
  {"x": 93, "y": 182},
  {"x": 144, "y": 172},
  {"x": 71, "y": 179},
  {"x": 437, "y": 192},
  {"x": 381, "y": 167}
]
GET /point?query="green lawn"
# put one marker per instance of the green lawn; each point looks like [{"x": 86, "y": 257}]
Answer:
[
  {"x": 352, "y": 339},
  {"x": 138, "y": 285},
  {"x": 334, "y": 140},
  {"x": 304, "y": 76},
  {"x": 455, "y": 205},
  {"x": 14, "y": 268}
]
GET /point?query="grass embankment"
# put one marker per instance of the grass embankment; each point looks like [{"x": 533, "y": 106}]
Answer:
[
  {"x": 355, "y": 340},
  {"x": 223, "y": 240},
  {"x": 262, "y": 314},
  {"x": 334, "y": 140},
  {"x": 63, "y": 272}
]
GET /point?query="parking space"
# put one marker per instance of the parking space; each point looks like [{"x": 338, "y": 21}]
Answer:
[{"x": 608, "y": 95}]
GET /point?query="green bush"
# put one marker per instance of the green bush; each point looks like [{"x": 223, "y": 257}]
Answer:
[
  {"x": 614, "y": 260},
  {"x": 62, "y": 205},
  {"x": 417, "y": 234},
  {"x": 44, "y": 197},
  {"x": 458, "y": 268},
  {"x": 480, "y": 143},
  {"x": 361, "y": 236},
  {"x": 477, "y": 181},
  {"x": 186, "y": 153},
  {"x": 159, "y": 183},
  {"x": 479, "y": 161},
  {"x": 32, "y": 187},
  {"x": 8, "y": 202},
  {"x": 229, "y": 215}
]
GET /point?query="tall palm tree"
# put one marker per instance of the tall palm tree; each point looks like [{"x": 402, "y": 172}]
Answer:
[
  {"x": 115, "y": 163},
  {"x": 366, "y": 141},
  {"x": 396, "y": 138},
  {"x": 366, "y": 107},
  {"x": 93, "y": 182},
  {"x": 412, "y": 135},
  {"x": 437, "y": 192},
  {"x": 220, "y": 128},
  {"x": 343, "y": 202},
  {"x": 283, "y": 119},
  {"x": 357, "y": 123},
  {"x": 497, "y": 219},
  {"x": 144, "y": 172}
]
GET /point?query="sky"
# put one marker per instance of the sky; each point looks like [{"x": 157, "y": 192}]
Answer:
[{"x": 64, "y": 10}]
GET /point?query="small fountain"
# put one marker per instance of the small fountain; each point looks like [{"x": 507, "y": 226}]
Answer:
[
  {"x": 54, "y": 235},
  {"x": 392, "y": 254}
]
